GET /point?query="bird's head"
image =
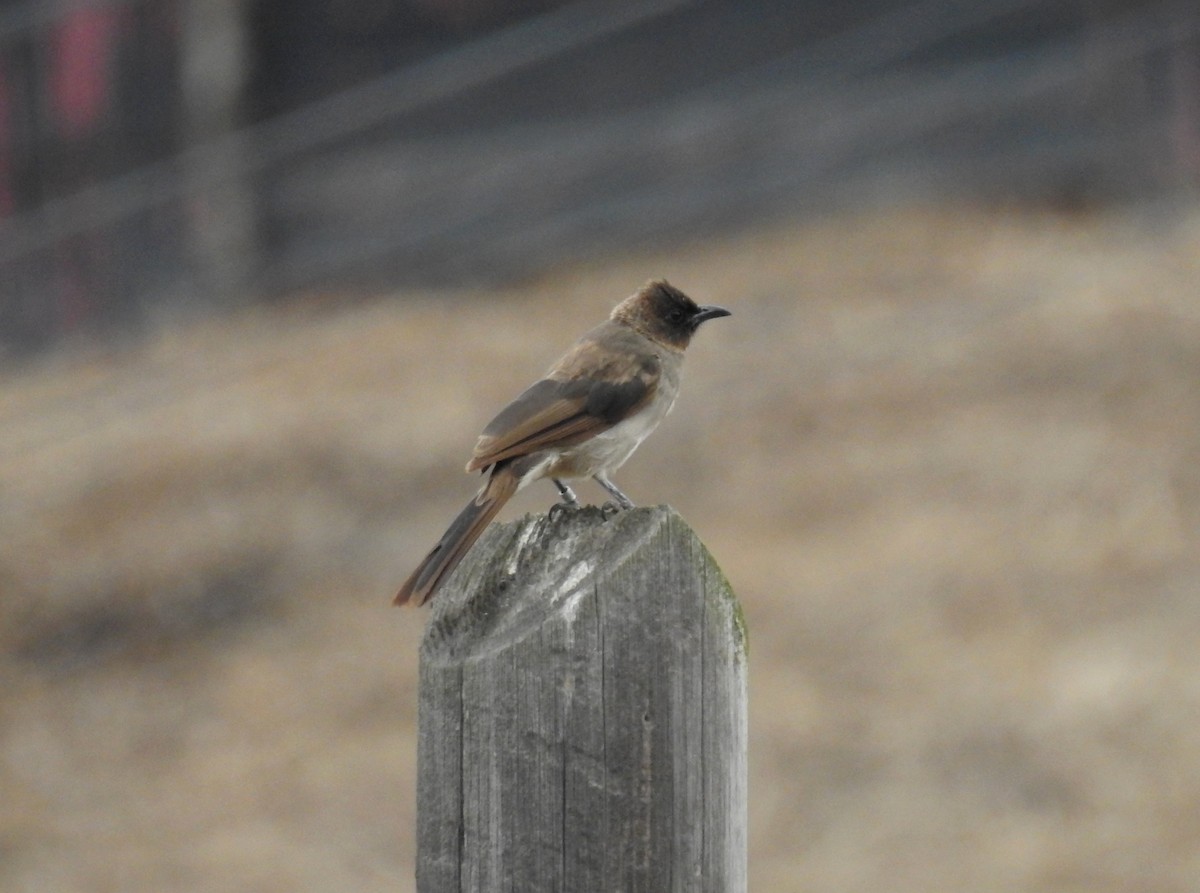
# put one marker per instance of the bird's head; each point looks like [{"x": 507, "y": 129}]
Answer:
[{"x": 663, "y": 313}]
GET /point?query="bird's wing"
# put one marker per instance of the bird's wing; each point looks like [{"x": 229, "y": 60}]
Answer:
[{"x": 608, "y": 375}]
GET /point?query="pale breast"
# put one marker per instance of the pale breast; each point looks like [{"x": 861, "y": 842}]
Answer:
[{"x": 608, "y": 450}]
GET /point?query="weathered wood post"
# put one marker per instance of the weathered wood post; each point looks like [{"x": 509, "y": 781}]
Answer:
[{"x": 583, "y": 713}]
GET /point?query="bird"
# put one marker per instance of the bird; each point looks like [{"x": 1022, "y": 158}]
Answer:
[{"x": 583, "y": 419}]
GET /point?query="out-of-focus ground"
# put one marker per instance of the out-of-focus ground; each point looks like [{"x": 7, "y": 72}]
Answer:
[{"x": 950, "y": 460}]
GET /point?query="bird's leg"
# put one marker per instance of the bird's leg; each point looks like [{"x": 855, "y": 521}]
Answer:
[
  {"x": 568, "y": 495},
  {"x": 622, "y": 500}
]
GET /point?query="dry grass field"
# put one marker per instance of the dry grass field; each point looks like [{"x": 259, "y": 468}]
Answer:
[{"x": 949, "y": 459}]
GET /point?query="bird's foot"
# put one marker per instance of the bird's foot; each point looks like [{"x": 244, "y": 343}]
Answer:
[
  {"x": 566, "y": 494},
  {"x": 610, "y": 509},
  {"x": 622, "y": 500}
]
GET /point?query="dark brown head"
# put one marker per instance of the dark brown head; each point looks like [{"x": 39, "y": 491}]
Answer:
[{"x": 663, "y": 313}]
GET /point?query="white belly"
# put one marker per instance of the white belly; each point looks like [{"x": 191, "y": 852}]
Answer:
[{"x": 608, "y": 450}]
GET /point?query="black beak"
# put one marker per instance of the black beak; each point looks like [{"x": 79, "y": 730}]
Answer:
[{"x": 710, "y": 312}]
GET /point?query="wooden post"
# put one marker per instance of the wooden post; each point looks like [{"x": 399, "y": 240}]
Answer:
[{"x": 583, "y": 713}]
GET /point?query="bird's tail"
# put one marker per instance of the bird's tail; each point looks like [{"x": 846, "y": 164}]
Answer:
[{"x": 458, "y": 538}]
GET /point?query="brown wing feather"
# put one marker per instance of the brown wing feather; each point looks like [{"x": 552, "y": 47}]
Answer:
[{"x": 610, "y": 374}]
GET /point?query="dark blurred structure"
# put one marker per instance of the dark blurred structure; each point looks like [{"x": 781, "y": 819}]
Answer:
[{"x": 157, "y": 155}]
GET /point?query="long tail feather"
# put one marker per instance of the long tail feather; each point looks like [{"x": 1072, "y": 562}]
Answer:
[{"x": 458, "y": 538}]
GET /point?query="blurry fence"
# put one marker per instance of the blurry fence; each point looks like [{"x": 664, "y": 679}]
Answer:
[{"x": 163, "y": 154}]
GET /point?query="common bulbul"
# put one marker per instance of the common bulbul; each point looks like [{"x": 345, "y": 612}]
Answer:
[{"x": 583, "y": 419}]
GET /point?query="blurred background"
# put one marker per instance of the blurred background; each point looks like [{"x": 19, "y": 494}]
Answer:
[{"x": 267, "y": 268}]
